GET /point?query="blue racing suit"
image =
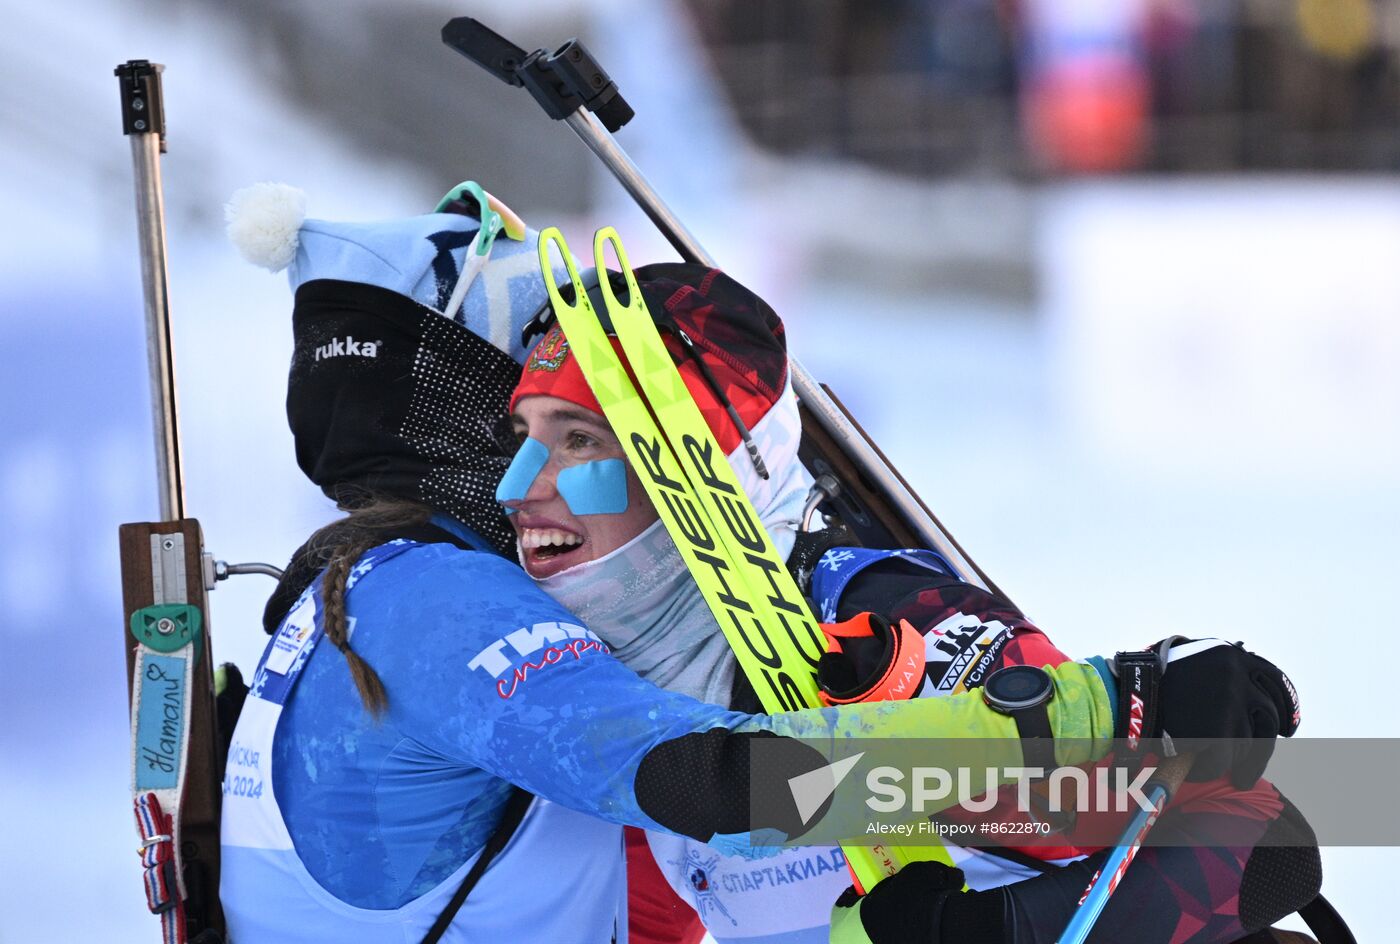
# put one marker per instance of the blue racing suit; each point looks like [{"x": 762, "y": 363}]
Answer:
[{"x": 338, "y": 826}]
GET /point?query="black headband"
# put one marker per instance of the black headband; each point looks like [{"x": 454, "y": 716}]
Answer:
[{"x": 387, "y": 396}]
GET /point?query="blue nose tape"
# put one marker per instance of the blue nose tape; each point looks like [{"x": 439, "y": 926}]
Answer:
[
  {"x": 590, "y": 488},
  {"x": 522, "y": 473}
]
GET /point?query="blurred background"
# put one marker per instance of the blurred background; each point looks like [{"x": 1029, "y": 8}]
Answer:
[{"x": 1114, "y": 282}]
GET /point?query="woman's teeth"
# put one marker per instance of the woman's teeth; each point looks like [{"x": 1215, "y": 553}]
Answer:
[{"x": 534, "y": 538}]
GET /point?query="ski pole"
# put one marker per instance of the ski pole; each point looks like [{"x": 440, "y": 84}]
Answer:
[
  {"x": 1170, "y": 773},
  {"x": 572, "y": 87}
]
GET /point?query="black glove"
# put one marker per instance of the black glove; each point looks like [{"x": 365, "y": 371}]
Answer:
[
  {"x": 1188, "y": 689},
  {"x": 922, "y": 903},
  {"x": 229, "y": 694}
]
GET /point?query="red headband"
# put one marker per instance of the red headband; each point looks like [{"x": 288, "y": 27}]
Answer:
[{"x": 742, "y": 349}]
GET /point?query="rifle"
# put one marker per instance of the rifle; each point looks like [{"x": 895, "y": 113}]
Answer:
[{"x": 177, "y": 752}]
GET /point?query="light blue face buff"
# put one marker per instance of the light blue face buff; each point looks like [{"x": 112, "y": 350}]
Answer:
[{"x": 590, "y": 488}]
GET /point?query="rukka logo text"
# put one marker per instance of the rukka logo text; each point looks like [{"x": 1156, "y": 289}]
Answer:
[{"x": 348, "y": 347}]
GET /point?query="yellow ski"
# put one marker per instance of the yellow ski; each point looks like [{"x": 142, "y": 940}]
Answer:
[
  {"x": 794, "y": 629},
  {"x": 731, "y": 557},
  {"x": 787, "y": 629},
  {"x": 783, "y": 678}
]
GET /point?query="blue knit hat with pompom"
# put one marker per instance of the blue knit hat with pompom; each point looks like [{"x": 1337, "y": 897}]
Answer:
[
  {"x": 419, "y": 257},
  {"x": 386, "y": 396}
]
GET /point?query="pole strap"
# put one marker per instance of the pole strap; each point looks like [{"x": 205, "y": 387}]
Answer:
[{"x": 1324, "y": 921}]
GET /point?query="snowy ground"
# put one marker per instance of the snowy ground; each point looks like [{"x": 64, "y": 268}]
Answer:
[{"x": 1189, "y": 425}]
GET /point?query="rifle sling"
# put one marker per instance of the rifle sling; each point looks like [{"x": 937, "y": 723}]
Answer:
[{"x": 511, "y": 816}]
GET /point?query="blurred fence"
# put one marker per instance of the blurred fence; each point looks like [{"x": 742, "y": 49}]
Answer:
[{"x": 957, "y": 86}]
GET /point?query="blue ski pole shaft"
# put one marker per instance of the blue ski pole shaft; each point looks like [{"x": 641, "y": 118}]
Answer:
[{"x": 1105, "y": 881}]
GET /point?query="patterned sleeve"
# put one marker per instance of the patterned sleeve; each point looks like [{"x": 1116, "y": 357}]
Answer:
[{"x": 506, "y": 680}]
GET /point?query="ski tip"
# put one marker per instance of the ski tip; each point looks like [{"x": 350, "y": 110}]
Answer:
[{"x": 264, "y": 223}]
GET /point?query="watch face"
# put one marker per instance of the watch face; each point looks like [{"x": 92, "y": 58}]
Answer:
[{"x": 1019, "y": 686}]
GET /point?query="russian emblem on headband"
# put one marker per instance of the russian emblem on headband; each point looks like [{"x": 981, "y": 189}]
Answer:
[{"x": 550, "y": 354}]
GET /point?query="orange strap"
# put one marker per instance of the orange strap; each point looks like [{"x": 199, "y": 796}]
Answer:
[{"x": 903, "y": 675}]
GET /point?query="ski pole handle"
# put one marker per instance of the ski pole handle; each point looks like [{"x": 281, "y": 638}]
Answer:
[
  {"x": 1170, "y": 773},
  {"x": 143, "y": 120}
]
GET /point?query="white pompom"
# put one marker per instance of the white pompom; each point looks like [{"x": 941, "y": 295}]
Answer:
[{"x": 264, "y": 222}]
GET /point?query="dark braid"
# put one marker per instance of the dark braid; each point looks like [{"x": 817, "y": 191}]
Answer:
[{"x": 339, "y": 545}]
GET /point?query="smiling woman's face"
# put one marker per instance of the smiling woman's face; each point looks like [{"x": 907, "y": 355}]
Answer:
[{"x": 552, "y": 536}]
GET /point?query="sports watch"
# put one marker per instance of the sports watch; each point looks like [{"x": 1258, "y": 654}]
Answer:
[{"x": 1023, "y": 692}]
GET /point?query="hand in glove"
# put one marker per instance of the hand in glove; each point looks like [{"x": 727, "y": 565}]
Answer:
[
  {"x": 1188, "y": 689},
  {"x": 923, "y": 903}
]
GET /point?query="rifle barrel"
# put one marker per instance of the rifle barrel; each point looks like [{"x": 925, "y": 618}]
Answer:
[
  {"x": 602, "y": 143},
  {"x": 826, "y": 412},
  {"x": 144, "y": 123}
]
